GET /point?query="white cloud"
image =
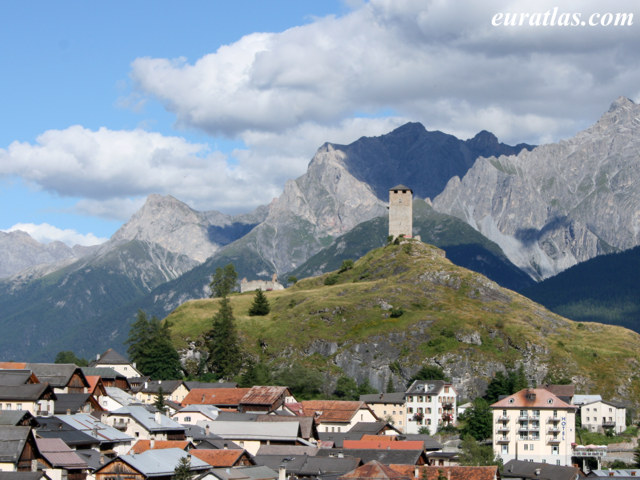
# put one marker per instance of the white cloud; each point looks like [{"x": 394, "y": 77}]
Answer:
[
  {"x": 400, "y": 55},
  {"x": 45, "y": 233}
]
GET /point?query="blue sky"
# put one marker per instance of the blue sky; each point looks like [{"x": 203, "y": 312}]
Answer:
[{"x": 219, "y": 103}]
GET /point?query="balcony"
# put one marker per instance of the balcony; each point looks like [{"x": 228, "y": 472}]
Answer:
[
  {"x": 523, "y": 429},
  {"x": 523, "y": 418},
  {"x": 502, "y": 429},
  {"x": 608, "y": 424},
  {"x": 503, "y": 418},
  {"x": 502, "y": 440},
  {"x": 554, "y": 440},
  {"x": 553, "y": 419},
  {"x": 120, "y": 425},
  {"x": 553, "y": 429}
]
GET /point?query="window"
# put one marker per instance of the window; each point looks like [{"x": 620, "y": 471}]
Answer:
[
  {"x": 384, "y": 412},
  {"x": 557, "y": 462},
  {"x": 526, "y": 446},
  {"x": 505, "y": 449},
  {"x": 187, "y": 419},
  {"x": 18, "y": 406},
  {"x": 555, "y": 450}
]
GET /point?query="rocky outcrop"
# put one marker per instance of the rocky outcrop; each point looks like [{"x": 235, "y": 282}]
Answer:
[{"x": 561, "y": 203}]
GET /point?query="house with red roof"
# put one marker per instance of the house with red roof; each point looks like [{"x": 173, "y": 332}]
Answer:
[{"x": 337, "y": 415}]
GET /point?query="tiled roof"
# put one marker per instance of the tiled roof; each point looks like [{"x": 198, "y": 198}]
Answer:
[
  {"x": 263, "y": 395},
  {"x": 382, "y": 445},
  {"x": 215, "y": 396},
  {"x": 393, "y": 397},
  {"x": 532, "y": 398},
  {"x": 12, "y": 442},
  {"x": 157, "y": 463},
  {"x": 167, "y": 386},
  {"x": 13, "y": 365},
  {"x": 306, "y": 423},
  {"x": 426, "y": 472},
  {"x": 191, "y": 384},
  {"x": 71, "y": 402},
  {"x": 539, "y": 471},
  {"x": 14, "y": 417},
  {"x": 375, "y": 470},
  {"x": 15, "y": 377},
  {"x": 218, "y": 458},
  {"x": 387, "y": 457},
  {"x": 30, "y": 392},
  {"x": 339, "y": 411},
  {"x": 144, "y": 445},
  {"x": 561, "y": 390},
  {"x": 57, "y": 374},
  {"x": 59, "y": 455},
  {"x": 148, "y": 420}
]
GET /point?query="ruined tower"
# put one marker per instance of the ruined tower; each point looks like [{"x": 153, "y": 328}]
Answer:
[{"x": 400, "y": 211}]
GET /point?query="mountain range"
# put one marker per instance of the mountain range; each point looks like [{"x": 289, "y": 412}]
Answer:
[{"x": 84, "y": 299}]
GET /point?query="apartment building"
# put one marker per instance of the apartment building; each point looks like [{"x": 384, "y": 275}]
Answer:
[
  {"x": 430, "y": 404},
  {"x": 534, "y": 425}
]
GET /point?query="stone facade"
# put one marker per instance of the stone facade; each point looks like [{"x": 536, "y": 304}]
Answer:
[{"x": 400, "y": 211}]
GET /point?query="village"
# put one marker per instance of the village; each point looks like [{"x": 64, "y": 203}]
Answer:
[{"x": 109, "y": 422}]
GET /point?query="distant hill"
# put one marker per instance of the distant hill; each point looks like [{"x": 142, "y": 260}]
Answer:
[
  {"x": 604, "y": 289},
  {"x": 463, "y": 245},
  {"x": 404, "y": 306}
]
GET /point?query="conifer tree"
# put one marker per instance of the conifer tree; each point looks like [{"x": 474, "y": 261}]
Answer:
[
  {"x": 182, "y": 470},
  {"x": 225, "y": 358},
  {"x": 260, "y": 305},
  {"x": 159, "y": 403}
]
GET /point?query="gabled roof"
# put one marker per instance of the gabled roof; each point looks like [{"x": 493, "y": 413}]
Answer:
[
  {"x": 426, "y": 387},
  {"x": 220, "y": 458},
  {"x": 307, "y": 425},
  {"x": 120, "y": 396},
  {"x": 375, "y": 470},
  {"x": 287, "y": 450},
  {"x": 88, "y": 424},
  {"x": 392, "y": 397},
  {"x": 430, "y": 443},
  {"x": 540, "y": 471},
  {"x": 255, "y": 472},
  {"x": 59, "y": 455},
  {"x": 52, "y": 427},
  {"x": 372, "y": 428},
  {"x": 387, "y": 457},
  {"x": 104, "y": 372},
  {"x": 584, "y": 399},
  {"x": 304, "y": 465},
  {"x": 110, "y": 357},
  {"x": 191, "y": 384},
  {"x": 30, "y": 392},
  {"x": 220, "y": 397},
  {"x": 210, "y": 411},
  {"x": 74, "y": 402},
  {"x": 286, "y": 431},
  {"x": 12, "y": 442},
  {"x": 57, "y": 374},
  {"x": 264, "y": 395},
  {"x": 167, "y": 386},
  {"x": 150, "y": 421},
  {"x": 17, "y": 377},
  {"x": 13, "y": 418},
  {"x": 159, "y": 463},
  {"x": 24, "y": 476},
  {"x": 335, "y": 411},
  {"x": 144, "y": 445},
  {"x": 532, "y": 398}
]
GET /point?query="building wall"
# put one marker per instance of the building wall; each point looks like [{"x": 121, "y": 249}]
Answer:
[
  {"x": 537, "y": 435},
  {"x": 597, "y": 416},
  {"x": 400, "y": 213},
  {"x": 128, "y": 371},
  {"x": 431, "y": 408},
  {"x": 396, "y": 412}
]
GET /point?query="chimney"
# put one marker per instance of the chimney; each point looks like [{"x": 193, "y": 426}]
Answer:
[
  {"x": 225, "y": 446},
  {"x": 101, "y": 459},
  {"x": 206, "y": 429},
  {"x": 157, "y": 417},
  {"x": 282, "y": 472},
  {"x": 537, "y": 472},
  {"x": 97, "y": 357}
]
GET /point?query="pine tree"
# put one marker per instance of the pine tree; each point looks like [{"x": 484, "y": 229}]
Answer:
[
  {"x": 260, "y": 305},
  {"x": 182, "y": 470},
  {"x": 159, "y": 403},
  {"x": 225, "y": 358},
  {"x": 151, "y": 348},
  {"x": 223, "y": 282}
]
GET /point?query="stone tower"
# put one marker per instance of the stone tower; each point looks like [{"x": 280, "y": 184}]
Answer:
[{"x": 400, "y": 211}]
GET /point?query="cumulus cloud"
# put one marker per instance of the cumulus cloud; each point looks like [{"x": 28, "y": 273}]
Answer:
[
  {"x": 45, "y": 233},
  {"x": 410, "y": 57}
]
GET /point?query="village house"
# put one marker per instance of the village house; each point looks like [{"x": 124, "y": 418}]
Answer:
[
  {"x": 36, "y": 398},
  {"x": 223, "y": 458},
  {"x": 389, "y": 407},
  {"x": 62, "y": 377},
  {"x": 192, "y": 414},
  {"x": 337, "y": 415},
  {"x": 112, "y": 359},
  {"x": 173, "y": 390},
  {"x": 534, "y": 425},
  {"x": 601, "y": 416},
  {"x": 108, "y": 376},
  {"x": 59, "y": 462},
  {"x": 265, "y": 399},
  {"x": 223, "y": 398},
  {"x": 139, "y": 423},
  {"x": 18, "y": 449},
  {"x": 144, "y": 445},
  {"x": 152, "y": 464},
  {"x": 430, "y": 404}
]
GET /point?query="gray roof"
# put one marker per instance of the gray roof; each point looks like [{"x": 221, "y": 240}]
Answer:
[
  {"x": 283, "y": 431},
  {"x": 91, "y": 457},
  {"x": 157, "y": 463},
  {"x": 425, "y": 387},
  {"x": 307, "y": 424},
  {"x": 12, "y": 442},
  {"x": 217, "y": 442},
  {"x": 369, "y": 428},
  {"x": 306, "y": 465},
  {"x": 59, "y": 455},
  {"x": 57, "y": 374},
  {"x": 210, "y": 411},
  {"x": 393, "y": 397},
  {"x": 23, "y": 476},
  {"x": 387, "y": 457},
  {"x": 14, "y": 417},
  {"x": 583, "y": 399},
  {"x": 120, "y": 396},
  {"x": 110, "y": 357},
  {"x": 88, "y": 424},
  {"x": 630, "y": 473},
  {"x": 400, "y": 187},
  {"x": 166, "y": 385},
  {"x": 253, "y": 472},
  {"x": 73, "y": 402},
  {"x": 52, "y": 427},
  {"x": 30, "y": 392},
  {"x": 14, "y": 377},
  {"x": 339, "y": 437},
  {"x": 102, "y": 372},
  {"x": 539, "y": 471},
  {"x": 148, "y": 420},
  {"x": 287, "y": 450},
  {"x": 430, "y": 443},
  {"x": 237, "y": 416}
]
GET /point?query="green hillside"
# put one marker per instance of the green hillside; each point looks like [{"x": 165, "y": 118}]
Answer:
[
  {"x": 403, "y": 306},
  {"x": 463, "y": 245}
]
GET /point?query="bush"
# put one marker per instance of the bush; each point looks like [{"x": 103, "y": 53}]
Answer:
[
  {"x": 331, "y": 279},
  {"x": 396, "y": 312}
]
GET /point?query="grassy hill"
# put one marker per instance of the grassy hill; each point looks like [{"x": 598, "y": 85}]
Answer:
[{"x": 404, "y": 306}]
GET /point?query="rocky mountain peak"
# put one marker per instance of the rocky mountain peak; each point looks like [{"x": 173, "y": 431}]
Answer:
[{"x": 621, "y": 103}]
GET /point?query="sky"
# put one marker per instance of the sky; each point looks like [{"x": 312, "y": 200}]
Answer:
[{"x": 220, "y": 103}]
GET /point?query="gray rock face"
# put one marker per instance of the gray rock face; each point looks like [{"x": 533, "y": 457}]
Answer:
[
  {"x": 19, "y": 251},
  {"x": 559, "y": 204}
]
